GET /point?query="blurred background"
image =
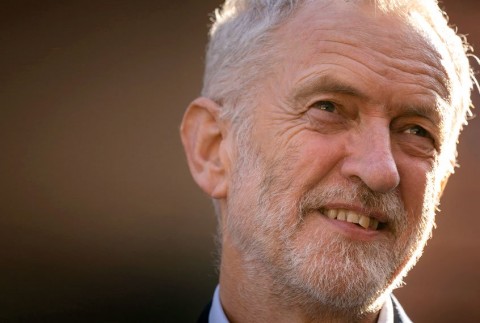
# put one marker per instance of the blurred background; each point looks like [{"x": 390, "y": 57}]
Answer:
[{"x": 99, "y": 218}]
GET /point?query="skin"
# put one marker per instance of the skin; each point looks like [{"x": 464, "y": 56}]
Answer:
[{"x": 354, "y": 98}]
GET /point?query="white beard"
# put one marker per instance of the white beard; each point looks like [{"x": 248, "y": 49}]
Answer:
[{"x": 308, "y": 266}]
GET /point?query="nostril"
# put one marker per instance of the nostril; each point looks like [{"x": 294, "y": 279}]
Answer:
[
  {"x": 374, "y": 164},
  {"x": 382, "y": 178}
]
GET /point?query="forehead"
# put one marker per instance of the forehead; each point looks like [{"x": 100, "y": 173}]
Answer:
[{"x": 363, "y": 42}]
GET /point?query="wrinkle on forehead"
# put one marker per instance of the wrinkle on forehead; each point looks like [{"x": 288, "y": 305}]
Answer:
[
  {"x": 401, "y": 70},
  {"x": 345, "y": 29}
]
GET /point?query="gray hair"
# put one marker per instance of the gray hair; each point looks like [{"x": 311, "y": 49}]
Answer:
[{"x": 239, "y": 46}]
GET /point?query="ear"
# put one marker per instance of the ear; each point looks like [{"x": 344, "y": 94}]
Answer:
[{"x": 202, "y": 138}]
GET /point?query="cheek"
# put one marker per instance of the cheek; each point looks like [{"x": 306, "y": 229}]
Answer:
[
  {"x": 414, "y": 178},
  {"x": 316, "y": 157}
]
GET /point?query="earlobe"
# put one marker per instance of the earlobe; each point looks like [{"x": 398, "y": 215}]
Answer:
[{"x": 202, "y": 138}]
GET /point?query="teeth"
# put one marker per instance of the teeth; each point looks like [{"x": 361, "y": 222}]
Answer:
[
  {"x": 342, "y": 216},
  {"x": 332, "y": 214},
  {"x": 364, "y": 221},
  {"x": 352, "y": 217}
]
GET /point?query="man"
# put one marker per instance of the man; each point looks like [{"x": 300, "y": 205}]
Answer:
[{"x": 325, "y": 135}]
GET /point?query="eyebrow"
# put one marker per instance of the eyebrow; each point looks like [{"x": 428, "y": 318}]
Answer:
[
  {"x": 325, "y": 84},
  {"x": 433, "y": 113},
  {"x": 331, "y": 84}
]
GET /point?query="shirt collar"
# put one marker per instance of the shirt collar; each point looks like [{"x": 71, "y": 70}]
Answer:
[
  {"x": 386, "y": 313},
  {"x": 217, "y": 315}
]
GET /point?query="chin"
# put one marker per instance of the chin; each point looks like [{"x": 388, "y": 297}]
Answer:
[{"x": 345, "y": 276}]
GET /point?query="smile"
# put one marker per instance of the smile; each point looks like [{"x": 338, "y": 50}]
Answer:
[{"x": 353, "y": 217}]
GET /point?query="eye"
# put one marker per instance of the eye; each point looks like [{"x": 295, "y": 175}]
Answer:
[
  {"x": 418, "y": 131},
  {"x": 325, "y": 106}
]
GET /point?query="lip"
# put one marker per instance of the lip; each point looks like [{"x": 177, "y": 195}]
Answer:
[{"x": 351, "y": 230}]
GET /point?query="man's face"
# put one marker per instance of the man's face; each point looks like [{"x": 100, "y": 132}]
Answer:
[{"x": 335, "y": 190}]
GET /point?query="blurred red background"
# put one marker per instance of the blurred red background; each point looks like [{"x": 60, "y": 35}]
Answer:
[{"x": 99, "y": 218}]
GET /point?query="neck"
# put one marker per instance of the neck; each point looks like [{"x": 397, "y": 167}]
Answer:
[{"x": 250, "y": 294}]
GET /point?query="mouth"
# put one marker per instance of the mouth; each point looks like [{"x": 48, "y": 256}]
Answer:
[{"x": 361, "y": 220}]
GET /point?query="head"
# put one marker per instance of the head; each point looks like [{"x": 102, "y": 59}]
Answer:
[{"x": 326, "y": 133}]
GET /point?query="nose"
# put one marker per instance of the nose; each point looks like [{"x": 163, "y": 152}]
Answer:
[{"x": 370, "y": 159}]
